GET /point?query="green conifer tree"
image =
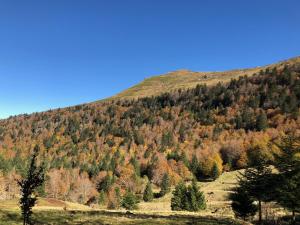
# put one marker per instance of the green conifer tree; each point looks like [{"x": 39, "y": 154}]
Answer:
[
  {"x": 148, "y": 193},
  {"x": 196, "y": 198},
  {"x": 242, "y": 203},
  {"x": 188, "y": 198},
  {"x": 215, "y": 173},
  {"x": 178, "y": 195},
  {"x": 258, "y": 182},
  {"x": 261, "y": 122},
  {"x": 34, "y": 178},
  {"x": 129, "y": 201},
  {"x": 165, "y": 186},
  {"x": 288, "y": 164}
]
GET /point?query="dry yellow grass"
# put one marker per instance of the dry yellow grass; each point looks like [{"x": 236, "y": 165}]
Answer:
[
  {"x": 187, "y": 79},
  {"x": 44, "y": 204},
  {"x": 216, "y": 193}
]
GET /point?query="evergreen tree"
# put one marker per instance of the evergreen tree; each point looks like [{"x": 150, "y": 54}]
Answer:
[
  {"x": 5, "y": 165},
  {"x": 165, "y": 186},
  {"x": 188, "y": 198},
  {"x": 261, "y": 121},
  {"x": 148, "y": 193},
  {"x": 136, "y": 166},
  {"x": 288, "y": 164},
  {"x": 105, "y": 184},
  {"x": 102, "y": 198},
  {"x": 258, "y": 182},
  {"x": 178, "y": 195},
  {"x": 196, "y": 197},
  {"x": 242, "y": 203},
  {"x": 194, "y": 166},
  {"x": 34, "y": 178},
  {"x": 129, "y": 201},
  {"x": 215, "y": 171}
]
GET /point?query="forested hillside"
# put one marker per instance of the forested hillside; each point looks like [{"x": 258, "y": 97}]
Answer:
[{"x": 99, "y": 150}]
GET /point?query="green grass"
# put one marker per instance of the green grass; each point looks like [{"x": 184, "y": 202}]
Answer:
[{"x": 99, "y": 218}]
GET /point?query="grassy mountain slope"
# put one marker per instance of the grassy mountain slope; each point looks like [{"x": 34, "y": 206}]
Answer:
[
  {"x": 188, "y": 79},
  {"x": 102, "y": 147}
]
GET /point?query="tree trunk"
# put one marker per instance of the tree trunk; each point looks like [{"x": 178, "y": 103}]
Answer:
[
  {"x": 259, "y": 212},
  {"x": 294, "y": 217}
]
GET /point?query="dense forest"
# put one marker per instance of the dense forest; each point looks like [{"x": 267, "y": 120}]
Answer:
[{"x": 96, "y": 152}]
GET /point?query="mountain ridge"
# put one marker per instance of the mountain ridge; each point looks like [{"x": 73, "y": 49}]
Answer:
[
  {"x": 139, "y": 91},
  {"x": 185, "y": 78}
]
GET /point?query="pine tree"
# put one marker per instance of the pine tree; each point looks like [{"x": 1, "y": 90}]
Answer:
[
  {"x": 129, "y": 201},
  {"x": 34, "y": 178},
  {"x": 194, "y": 166},
  {"x": 258, "y": 182},
  {"x": 102, "y": 198},
  {"x": 188, "y": 198},
  {"x": 105, "y": 184},
  {"x": 136, "y": 166},
  {"x": 178, "y": 195},
  {"x": 165, "y": 186},
  {"x": 288, "y": 164},
  {"x": 215, "y": 171},
  {"x": 261, "y": 122},
  {"x": 148, "y": 193},
  {"x": 242, "y": 203},
  {"x": 196, "y": 197}
]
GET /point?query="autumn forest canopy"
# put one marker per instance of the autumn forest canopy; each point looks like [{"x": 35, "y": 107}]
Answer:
[{"x": 98, "y": 152}]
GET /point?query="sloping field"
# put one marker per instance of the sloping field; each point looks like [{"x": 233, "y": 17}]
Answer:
[
  {"x": 216, "y": 193},
  {"x": 44, "y": 204},
  {"x": 158, "y": 212},
  {"x": 188, "y": 79}
]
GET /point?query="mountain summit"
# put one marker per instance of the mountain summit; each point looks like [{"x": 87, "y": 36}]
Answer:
[{"x": 183, "y": 79}]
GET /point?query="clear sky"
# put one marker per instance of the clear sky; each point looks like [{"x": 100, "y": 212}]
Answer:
[{"x": 58, "y": 53}]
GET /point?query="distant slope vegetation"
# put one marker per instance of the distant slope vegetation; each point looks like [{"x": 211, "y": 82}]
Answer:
[
  {"x": 95, "y": 152},
  {"x": 183, "y": 79}
]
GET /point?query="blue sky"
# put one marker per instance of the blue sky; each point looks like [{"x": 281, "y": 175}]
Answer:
[{"x": 65, "y": 52}]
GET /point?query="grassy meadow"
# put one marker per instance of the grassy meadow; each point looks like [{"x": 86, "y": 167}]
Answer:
[
  {"x": 99, "y": 218},
  {"x": 184, "y": 79},
  {"x": 158, "y": 212}
]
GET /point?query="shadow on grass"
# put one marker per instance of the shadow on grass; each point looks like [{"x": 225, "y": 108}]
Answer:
[
  {"x": 104, "y": 218},
  {"x": 7, "y": 217}
]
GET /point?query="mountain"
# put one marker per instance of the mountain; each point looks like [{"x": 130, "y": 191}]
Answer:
[
  {"x": 190, "y": 128},
  {"x": 183, "y": 79}
]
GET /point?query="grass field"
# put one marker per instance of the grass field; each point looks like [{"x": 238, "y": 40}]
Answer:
[
  {"x": 158, "y": 212},
  {"x": 97, "y": 217},
  {"x": 216, "y": 194},
  {"x": 52, "y": 211}
]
